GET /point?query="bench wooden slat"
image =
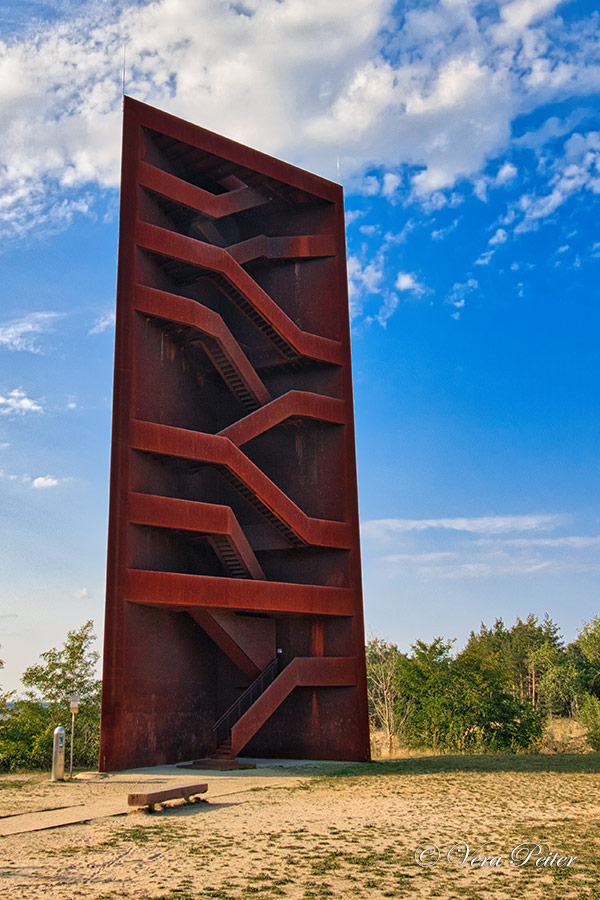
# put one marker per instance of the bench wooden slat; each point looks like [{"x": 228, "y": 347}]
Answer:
[{"x": 182, "y": 792}]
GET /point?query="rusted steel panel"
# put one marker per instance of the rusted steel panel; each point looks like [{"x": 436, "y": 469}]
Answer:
[
  {"x": 294, "y": 404},
  {"x": 226, "y": 642},
  {"x": 164, "y": 440},
  {"x": 301, "y": 672},
  {"x": 206, "y": 257},
  {"x": 173, "y": 589},
  {"x": 198, "y": 518},
  {"x": 207, "y": 323},
  {"x": 232, "y": 331}
]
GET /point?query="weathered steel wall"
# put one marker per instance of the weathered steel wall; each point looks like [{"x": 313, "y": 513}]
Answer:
[{"x": 233, "y": 528}]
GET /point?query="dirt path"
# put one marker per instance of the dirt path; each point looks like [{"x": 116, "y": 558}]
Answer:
[{"x": 287, "y": 833}]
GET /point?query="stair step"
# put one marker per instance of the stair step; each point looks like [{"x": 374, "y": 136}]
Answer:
[
  {"x": 229, "y": 557},
  {"x": 238, "y": 298},
  {"x": 260, "y": 506},
  {"x": 230, "y": 374}
]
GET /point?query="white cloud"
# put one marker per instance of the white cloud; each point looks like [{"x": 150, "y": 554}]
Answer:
[
  {"x": 352, "y": 215},
  {"x": 483, "y": 260},
  {"x": 483, "y": 547},
  {"x": 499, "y": 237},
  {"x": 507, "y": 567},
  {"x": 102, "y": 323},
  {"x": 381, "y": 529},
  {"x": 441, "y": 234},
  {"x": 369, "y": 186},
  {"x": 519, "y": 14},
  {"x": 500, "y": 561},
  {"x": 24, "y": 333},
  {"x": 506, "y": 173},
  {"x": 573, "y": 542},
  {"x": 391, "y": 183},
  {"x": 551, "y": 129},
  {"x": 460, "y": 291},
  {"x": 17, "y": 402},
  {"x": 387, "y": 308},
  {"x": 400, "y": 237},
  {"x": 370, "y": 230},
  {"x": 364, "y": 278},
  {"x": 420, "y": 558},
  {"x": 406, "y": 281},
  {"x": 39, "y": 483},
  {"x": 43, "y": 482},
  {"x": 577, "y": 169},
  {"x": 437, "y": 89}
]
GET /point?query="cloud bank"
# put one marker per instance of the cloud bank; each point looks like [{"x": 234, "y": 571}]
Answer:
[
  {"x": 430, "y": 97},
  {"x": 24, "y": 333},
  {"x": 480, "y": 547}
]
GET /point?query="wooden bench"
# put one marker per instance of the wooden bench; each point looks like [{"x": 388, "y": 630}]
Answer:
[{"x": 151, "y": 798}]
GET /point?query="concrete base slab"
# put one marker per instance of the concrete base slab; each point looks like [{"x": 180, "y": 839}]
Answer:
[
  {"x": 220, "y": 765},
  {"x": 40, "y": 821}
]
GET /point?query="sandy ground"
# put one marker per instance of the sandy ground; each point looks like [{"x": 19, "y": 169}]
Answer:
[{"x": 292, "y": 831}]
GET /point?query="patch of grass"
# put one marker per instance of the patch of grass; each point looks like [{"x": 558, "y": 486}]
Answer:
[
  {"x": 216, "y": 894},
  {"x": 10, "y": 783},
  {"x": 159, "y": 832},
  {"x": 328, "y": 863},
  {"x": 577, "y": 763}
]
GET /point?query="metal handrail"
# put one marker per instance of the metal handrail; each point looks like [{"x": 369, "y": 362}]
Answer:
[{"x": 250, "y": 695}]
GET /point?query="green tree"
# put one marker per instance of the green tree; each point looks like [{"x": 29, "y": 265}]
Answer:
[
  {"x": 26, "y": 733},
  {"x": 422, "y": 684},
  {"x": 4, "y": 697},
  {"x": 462, "y": 703},
  {"x": 589, "y": 640},
  {"x": 589, "y": 715},
  {"x": 65, "y": 672},
  {"x": 494, "y": 644},
  {"x": 382, "y": 659},
  {"x": 531, "y": 660},
  {"x": 586, "y": 654}
]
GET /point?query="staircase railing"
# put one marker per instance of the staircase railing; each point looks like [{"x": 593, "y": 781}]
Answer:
[{"x": 224, "y": 724}]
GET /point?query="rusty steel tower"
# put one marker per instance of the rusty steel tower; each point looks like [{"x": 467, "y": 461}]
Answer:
[{"x": 234, "y": 606}]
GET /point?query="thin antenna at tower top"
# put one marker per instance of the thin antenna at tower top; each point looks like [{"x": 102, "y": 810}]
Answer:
[
  {"x": 124, "y": 65},
  {"x": 338, "y": 169}
]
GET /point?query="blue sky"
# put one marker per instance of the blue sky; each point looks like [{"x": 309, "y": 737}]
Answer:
[{"x": 469, "y": 148}]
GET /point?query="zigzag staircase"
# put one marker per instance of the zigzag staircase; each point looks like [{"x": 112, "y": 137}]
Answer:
[
  {"x": 233, "y": 458},
  {"x": 238, "y": 725},
  {"x": 224, "y": 724}
]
